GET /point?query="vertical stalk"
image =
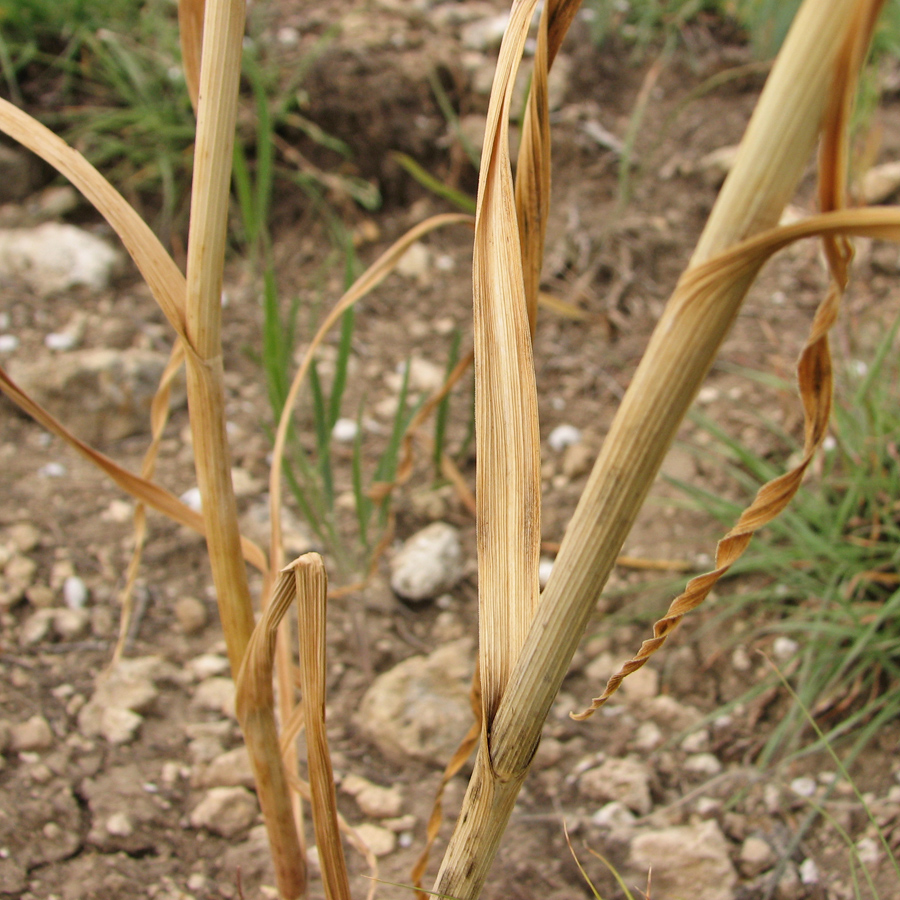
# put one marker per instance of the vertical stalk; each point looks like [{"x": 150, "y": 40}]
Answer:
[{"x": 217, "y": 109}]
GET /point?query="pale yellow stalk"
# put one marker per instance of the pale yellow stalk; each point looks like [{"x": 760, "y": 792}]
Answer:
[
  {"x": 223, "y": 33},
  {"x": 775, "y": 149}
]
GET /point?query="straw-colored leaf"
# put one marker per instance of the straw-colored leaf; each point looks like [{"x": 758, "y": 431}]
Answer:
[
  {"x": 141, "y": 489},
  {"x": 255, "y": 709},
  {"x": 312, "y": 593},
  {"x": 159, "y": 416},
  {"x": 814, "y": 370},
  {"x": 506, "y": 422},
  {"x": 533, "y": 165},
  {"x": 190, "y": 33},
  {"x": 163, "y": 277}
]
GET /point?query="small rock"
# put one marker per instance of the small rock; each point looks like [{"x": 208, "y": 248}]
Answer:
[
  {"x": 379, "y": 840},
  {"x": 577, "y": 460},
  {"x": 40, "y": 596},
  {"x": 545, "y": 567},
  {"x": 626, "y": 780},
  {"x": 118, "y": 725},
  {"x": 24, "y": 536},
  {"x": 61, "y": 341},
  {"x": 75, "y": 592},
  {"x": 429, "y": 563},
  {"x": 191, "y": 497},
  {"x": 216, "y": 694},
  {"x": 756, "y": 856},
  {"x": 373, "y": 800},
  {"x": 191, "y": 615},
  {"x": 424, "y": 375},
  {"x": 231, "y": 769},
  {"x": 809, "y": 872},
  {"x": 696, "y": 741},
  {"x": 225, "y": 811},
  {"x": 641, "y": 685},
  {"x": 648, "y": 736},
  {"x": 703, "y": 764},
  {"x": 71, "y": 624},
  {"x": 784, "y": 648},
  {"x": 679, "y": 465},
  {"x": 400, "y": 824},
  {"x": 718, "y": 163},
  {"x": 202, "y": 750},
  {"x": 18, "y": 576},
  {"x": 667, "y": 711},
  {"x": 122, "y": 811},
  {"x": 613, "y": 815},
  {"x": 804, "y": 786},
  {"x": 421, "y": 708},
  {"x": 114, "y": 710},
  {"x": 35, "y": 734},
  {"x": 54, "y": 257},
  {"x": 245, "y": 484},
  {"x": 415, "y": 263},
  {"x": 484, "y": 34},
  {"x": 789, "y": 886},
  {"x": 687, "y": 861},
  {"x": 13, "y": 877},
  {"x": 563, "y": 436},
  {"x": 208, "y": 665},
  {"x": 101, "y": 394},
  {"x": 36, "y": 628},
  {"x": 345, "y": 431},
  {"x": 881, "y": 182},
  {"x": 119, "y": 825}
]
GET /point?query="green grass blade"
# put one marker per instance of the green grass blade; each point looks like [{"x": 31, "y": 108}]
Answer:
[
  {"x": 323, "y": 436},
  {"x": 443, "y": 410},
  {"x": 435, "y": 185}
]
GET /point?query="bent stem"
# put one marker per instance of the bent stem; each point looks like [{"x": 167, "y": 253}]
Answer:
[{"x": 777, "y": 144}]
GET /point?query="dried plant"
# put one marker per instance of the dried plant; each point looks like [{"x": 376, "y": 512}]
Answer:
[{"x": 527, "y": 638}]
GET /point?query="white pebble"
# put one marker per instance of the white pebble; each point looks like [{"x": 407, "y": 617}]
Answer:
[
  {"x": 345, "y": 430},
  {"x": 703, "y": 764},
  {"x": 614, "y": 814},
  {"x": 784, "y": 648},
  {"x": 809, "y": 872},
  {"x": 545, "y": 567},
  {"x": 119, "y": 825},
  {"x": 52, "y": 470},
  {"x": 804, "y": 786},
  {"x": 192, "y": 499},
  {"x": 869, "y": 851},
  {"x": 288, "y": 36},
  {"x": 8, "y": 343},
  {"x": 75, "y": 592},
  {"x": 563, "y": 436},
  {"x": 60, "y": 340}
]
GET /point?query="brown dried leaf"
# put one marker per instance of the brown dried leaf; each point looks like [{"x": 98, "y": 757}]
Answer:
[{"x": 506, "y": 421}]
